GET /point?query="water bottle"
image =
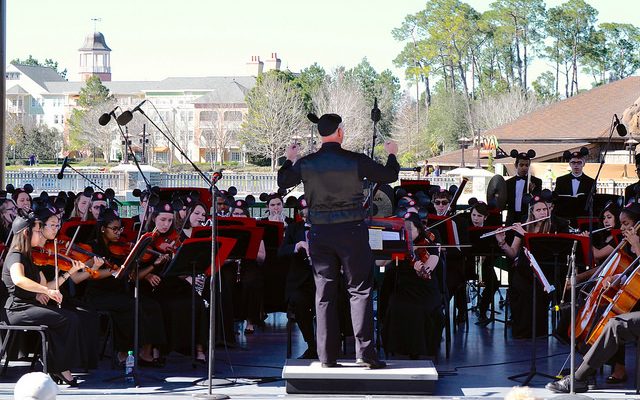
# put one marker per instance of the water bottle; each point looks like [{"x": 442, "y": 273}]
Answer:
[{"x": 128, "y": 368}]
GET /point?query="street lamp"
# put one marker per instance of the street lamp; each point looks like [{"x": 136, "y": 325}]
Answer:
[{"x": 464, "y": 142}]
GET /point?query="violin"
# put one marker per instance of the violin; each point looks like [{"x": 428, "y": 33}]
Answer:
[
  {"x": 166, "y": 243},
  {"x": 43, "y": 257},
  {"x": 420, "y": 252},
  {"x": 123, "y": 249},
  {"x": 79, "y": 251}
]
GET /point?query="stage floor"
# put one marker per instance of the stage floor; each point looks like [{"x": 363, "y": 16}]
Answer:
[{"x": 481, "y": 359}]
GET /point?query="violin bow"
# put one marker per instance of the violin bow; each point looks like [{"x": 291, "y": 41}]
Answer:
[{"x": 55, "y": 264}]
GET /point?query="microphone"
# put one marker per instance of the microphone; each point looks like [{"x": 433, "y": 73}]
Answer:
[
  {"x": 65, "y": 163},
  {"x": 216, "y": 177},
  {"x": 127, "y": 116},
  {"x": 106, "y": 117},
  {"x": 620, "y": 128},
  {"x": 375, "y": 111}
]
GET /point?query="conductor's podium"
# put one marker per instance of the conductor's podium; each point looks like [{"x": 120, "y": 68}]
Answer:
[{"x": 399, "y": 377}]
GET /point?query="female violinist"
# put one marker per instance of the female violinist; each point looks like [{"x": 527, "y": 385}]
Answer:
[
  {"x": 70, "y": 287},
  {"x": 8, "y": 212},
  {"x": 29, "y": 293},
  {"x": 106, "y": 293},
  {"x": 174, "y": 292},
  {"x": 520, "y": 284},
  {"x": 22, "y": 197},
  {"x": 251, "y": 278},
  {"x": 413, "y": 319},
  {"x": 196, "y": 216}
]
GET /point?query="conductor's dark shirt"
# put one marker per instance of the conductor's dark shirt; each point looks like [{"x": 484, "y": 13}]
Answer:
[{"x": 332, "y": 179}]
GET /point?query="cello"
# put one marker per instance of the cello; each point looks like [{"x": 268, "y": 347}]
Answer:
[{"x": 617, "y": 262}]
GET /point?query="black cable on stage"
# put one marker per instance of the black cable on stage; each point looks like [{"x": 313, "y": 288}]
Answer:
[{"x": 455, "y": 369}]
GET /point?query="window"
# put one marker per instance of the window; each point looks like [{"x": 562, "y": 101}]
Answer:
[
  {"x": 55, "y": 119},
  {"x": 162, "y": 157},
  {"x": 208, "y": 116},
  {"x": 210, "y": 156},
  {"x": 233, "y": 116},
  {"x": 12, "y": 76},
  {"x": 235, "y": 156}
]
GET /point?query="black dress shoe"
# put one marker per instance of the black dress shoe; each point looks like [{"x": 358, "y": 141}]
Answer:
[
  {"x": 370, "y": 363},
  {"x": 60, "y": 379},
  {"x": 309, "y": 354},
  {"x": 564, "y": 386},
  {"x": 330, "y": 364},
  {"x": 612, "y": 380}
]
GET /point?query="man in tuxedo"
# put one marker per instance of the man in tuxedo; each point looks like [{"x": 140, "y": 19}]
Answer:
[
  {"x": 516, "y": 187},
  {"x": 574, "y": 184},
  {"x": 632, "y": 192}
]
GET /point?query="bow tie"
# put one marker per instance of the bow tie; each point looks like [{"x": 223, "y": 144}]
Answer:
[
  {"x": 520, "y": 178},
  {"x": 577, "y": 178}
]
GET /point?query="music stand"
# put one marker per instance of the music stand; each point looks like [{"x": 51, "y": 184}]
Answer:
[
  {"x": 532, "y": 369},
  {"x": 192, "y": 258},
  {"x": 570, "y": 207}
]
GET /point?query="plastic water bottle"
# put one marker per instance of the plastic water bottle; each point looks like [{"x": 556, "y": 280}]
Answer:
[{"x": 128, "y": 368}]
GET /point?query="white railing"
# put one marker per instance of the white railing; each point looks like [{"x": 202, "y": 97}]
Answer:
[{"x": 48, "y": 180}]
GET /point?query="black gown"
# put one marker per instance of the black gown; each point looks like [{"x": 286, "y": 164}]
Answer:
[
  {"x": 413, "y": 318},
  {"x": 23, "y": 309}
]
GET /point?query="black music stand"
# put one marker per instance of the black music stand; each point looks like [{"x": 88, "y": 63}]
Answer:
[
  {"x": 532, "y": 368},
  {"x": 192, "y": 258},
  {"x": 131, "y": 265},
  {"x": 490, "y": 248}
]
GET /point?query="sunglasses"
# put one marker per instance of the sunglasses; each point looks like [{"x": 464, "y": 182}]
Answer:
[{"x": 441, "y": 203}]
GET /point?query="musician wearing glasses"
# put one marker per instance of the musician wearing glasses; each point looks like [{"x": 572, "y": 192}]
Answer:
[
  {"x": 517, "y": 186},
  {"x": 339, "y": 238},
  {"x": 441, "y": 200}
]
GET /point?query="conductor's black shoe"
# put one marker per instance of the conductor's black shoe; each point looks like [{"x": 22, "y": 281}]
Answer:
[
  {"x": 564, "y": 386},
  {"x": 370, "y": 363},
  {"x": 330, "y": 364},
  {"x": 309, "y": 354}
]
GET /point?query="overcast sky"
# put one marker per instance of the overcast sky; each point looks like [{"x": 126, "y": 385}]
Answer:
[{"x": 152, "y": 40}]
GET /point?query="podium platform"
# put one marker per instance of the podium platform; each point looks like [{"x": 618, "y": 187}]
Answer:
[{"x": 414, "y": 377}]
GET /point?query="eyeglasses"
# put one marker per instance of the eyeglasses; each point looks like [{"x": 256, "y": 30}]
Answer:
[
  {"x": 441, "y": 203},
  {"x": 116, "y": 228}
]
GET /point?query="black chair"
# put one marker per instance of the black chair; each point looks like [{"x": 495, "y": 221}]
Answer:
[{"x": 9, "y": 338}]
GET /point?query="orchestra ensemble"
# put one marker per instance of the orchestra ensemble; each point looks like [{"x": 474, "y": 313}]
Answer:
[{"x": 64, "y": 253}]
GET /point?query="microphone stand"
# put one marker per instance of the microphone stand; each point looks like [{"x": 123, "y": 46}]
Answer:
[
  {"x": 91, "y": 182},
  {"x": 212, "y": 284},
  {"x": 375, "y": 117},
  {"x": 592, "y": 193},
  {"x": 572, "y": 268}
]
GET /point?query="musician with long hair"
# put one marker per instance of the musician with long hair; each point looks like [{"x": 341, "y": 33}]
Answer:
[
  {"x": 106, "y": 293},
  {"x": 8, "y": 212},
  {"x": 81, "y": 206},
  {"x": 29, "y": 293},
  {"x": 414, "y": 319},
  {"x": 520, "y": 277}
]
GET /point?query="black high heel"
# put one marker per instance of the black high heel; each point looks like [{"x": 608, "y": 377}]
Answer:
[{"x": 59, "y": 379}]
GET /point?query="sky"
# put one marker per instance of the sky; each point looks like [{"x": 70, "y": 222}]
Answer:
[{"x": 152, "y": 40}]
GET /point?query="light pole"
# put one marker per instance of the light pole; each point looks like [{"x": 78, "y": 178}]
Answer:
[
  {"x": 631, "y": 143},
  {"x": 464, "y": 142}
]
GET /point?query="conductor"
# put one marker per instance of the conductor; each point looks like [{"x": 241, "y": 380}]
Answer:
[{"x": 339, "y": 238}]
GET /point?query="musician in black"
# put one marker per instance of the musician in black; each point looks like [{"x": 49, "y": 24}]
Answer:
[
  {"x": 575, "y": 184},
  {"x": 622, "y": 329},
  {"x": 516, "y": 186},
  {"x": 339, "y": 239},
  {"x": 300, "y": 288},
  {"x": 632, "y": 192}
]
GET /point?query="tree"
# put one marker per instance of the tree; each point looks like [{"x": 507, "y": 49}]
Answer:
[
  {"x": 412, "y": 141},
  {"x": 84, "y": 132},
  {"x": 545, "y": 87},
  {"x": 499, "y": 109},
  {"x": 344, "y": 97},
  {"x": 48, "y": 62},
  {"x": 276, "y": 114},
  {"x": 309, "y": 81},
  {"x": 40, "y": 141}
]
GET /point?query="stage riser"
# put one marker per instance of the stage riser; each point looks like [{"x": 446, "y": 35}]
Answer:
[{"x": 347, "y": 386}]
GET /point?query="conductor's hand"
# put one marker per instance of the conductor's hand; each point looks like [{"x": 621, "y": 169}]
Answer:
[
  {"x": 292, "y": 152},
  {"x": 391, "y": 147},
  {"x": 153, "y": 279},
  {"x": 55, "y": 295}
]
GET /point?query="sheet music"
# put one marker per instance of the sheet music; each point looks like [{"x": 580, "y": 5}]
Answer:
[
  {"x": 390, "y": 235},
  {"x": 538, "y": 271},
  {"x": 375, "y": 239}
]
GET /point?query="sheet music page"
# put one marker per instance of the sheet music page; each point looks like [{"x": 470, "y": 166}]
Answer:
[
  {"x": 375, "y": 239},
  {"x": 390, "y": 235}
]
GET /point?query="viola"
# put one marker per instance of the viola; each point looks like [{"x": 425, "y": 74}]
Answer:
[
  {"x": 420, "y": 252},
  {"x": 79, "y": 251},
  {"x": 43, "y": 257}
]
